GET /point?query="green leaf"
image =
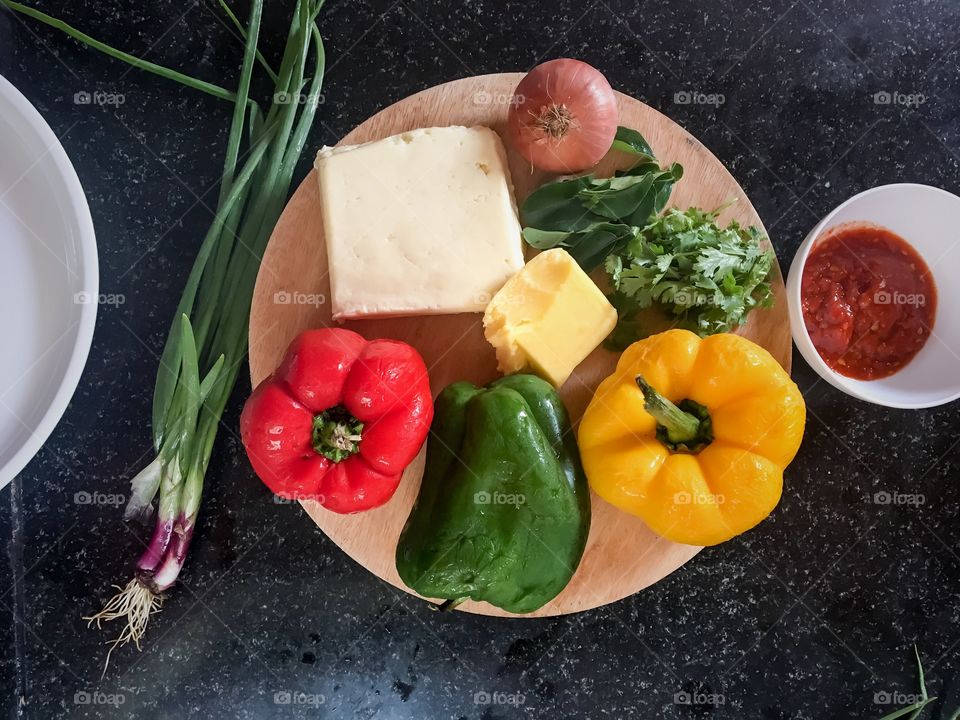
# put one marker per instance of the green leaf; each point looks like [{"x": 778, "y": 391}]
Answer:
[
  {"x": 666, "y": 188},
  {"x": 630, "y": 141},
  {"x": 923, "y": 686},
  {"x": 650, "y": 204},
  {"x": 593, "y": 247},
  {"x": 555, "y": 206},
  {"x": 190, "y": 377},
  {"x": 210, "y": 381},
  {"x": 545, "y": 239},
  {"x": 916, "y": 707},
  {"x": 589, "y": 247},
  {"x": 620, "y": 203},
  {"x": 643, "y": 166},
  {"x": 915, "y": 710},
  {"x": 631, "y": 199}
]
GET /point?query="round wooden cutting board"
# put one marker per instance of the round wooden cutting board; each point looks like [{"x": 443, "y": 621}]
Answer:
[{"x": 293, "y": 292}]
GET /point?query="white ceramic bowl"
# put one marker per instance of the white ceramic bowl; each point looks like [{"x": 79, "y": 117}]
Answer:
[
  {"x": 48, "y": 281},
  {"x": 929, "y": 219}
]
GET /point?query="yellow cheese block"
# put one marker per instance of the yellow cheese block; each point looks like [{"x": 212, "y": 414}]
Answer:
[{"x": 547, "y": 318}]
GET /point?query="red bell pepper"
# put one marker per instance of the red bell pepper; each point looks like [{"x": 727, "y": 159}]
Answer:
[{"x": 339, "y": 420}]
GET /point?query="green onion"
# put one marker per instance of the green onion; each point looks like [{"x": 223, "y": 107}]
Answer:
[
  {"x": 207, "y": 342},
  {"x": 914, "y": 710},
  {"x": 243, "y": 34},
  {"x": 192, "y": 82}
]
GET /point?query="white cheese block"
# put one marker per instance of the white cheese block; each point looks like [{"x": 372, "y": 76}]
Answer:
[{"x": 421, "y": 223}]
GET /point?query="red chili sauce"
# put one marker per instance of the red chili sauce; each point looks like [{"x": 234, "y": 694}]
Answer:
[{"x": 868, "y": 301}]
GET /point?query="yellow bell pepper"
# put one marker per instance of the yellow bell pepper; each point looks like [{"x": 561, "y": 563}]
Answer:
[{"x": 693, "y": 435}]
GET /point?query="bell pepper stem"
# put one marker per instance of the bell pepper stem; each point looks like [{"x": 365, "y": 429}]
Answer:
[
  {"x": 336, "y": 434},
  {"x": 681, "y": 427}
]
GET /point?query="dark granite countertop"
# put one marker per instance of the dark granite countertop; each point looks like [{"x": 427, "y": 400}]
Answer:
[{"x": 812, "y": 615}]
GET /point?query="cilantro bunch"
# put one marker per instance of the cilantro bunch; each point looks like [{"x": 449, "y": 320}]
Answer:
[{"x": 709, "y": 278}]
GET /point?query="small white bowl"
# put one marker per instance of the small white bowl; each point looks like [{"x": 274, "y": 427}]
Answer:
[{"x": 929, "y": 219}]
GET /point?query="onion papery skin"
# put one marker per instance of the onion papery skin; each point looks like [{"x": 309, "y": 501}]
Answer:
[{"x": 563, "y": 116}]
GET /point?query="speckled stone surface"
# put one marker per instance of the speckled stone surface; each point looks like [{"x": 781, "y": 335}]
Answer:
[{"x": 812, "y": 615}]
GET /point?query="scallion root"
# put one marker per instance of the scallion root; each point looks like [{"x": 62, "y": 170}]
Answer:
[{"x": 135, "y": 603}]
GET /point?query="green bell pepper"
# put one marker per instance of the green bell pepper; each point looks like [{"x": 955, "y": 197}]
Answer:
[{"x": 504, "y": 506}]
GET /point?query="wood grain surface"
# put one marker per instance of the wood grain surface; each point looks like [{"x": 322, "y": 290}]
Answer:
[{"x": 293, "y": 293}]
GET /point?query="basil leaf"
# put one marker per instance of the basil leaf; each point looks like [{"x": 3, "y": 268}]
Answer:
[
  {"x": 589, "y": 247},
  {"x": 544, "y": 239},
  {"x": 630, "y": 141},
  {"x": 592, "y": 247},
  {"x": 554, "y": 206},
  {"x": 665, "y": 187},
  {"x": 663, "y": 197},
  {"x": 648, "y": 203},
  {"x": 642, "y": 167},
  {"x": 616, "y": 204}
]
